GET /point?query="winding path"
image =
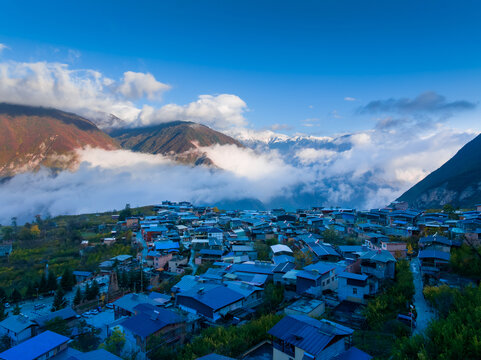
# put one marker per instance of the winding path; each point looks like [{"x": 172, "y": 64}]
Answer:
[{"x": 425, "y": 314}]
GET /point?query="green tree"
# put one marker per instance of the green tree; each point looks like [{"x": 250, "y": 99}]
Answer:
[
  {"x": 16, "y": 310},
  {"x": 5, "y": 343},
  {"x": 273, "y": 296},
  {"x": 59, "y": 301},
  {"x": 68, "y": 280},
  {"x": 114, "y": 343},
  {"x": 16, "y": 296},
  {"x": 78, "y": 297},
  {"x": 91, "y": 292},
  {"x": 88, "y": 339},
  {"x": 51, "y": 281},
  {"x": 59, "y": 326},
  {"x": 42, "y": 286}
]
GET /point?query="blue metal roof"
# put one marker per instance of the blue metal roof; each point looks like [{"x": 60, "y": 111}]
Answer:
[
  {"x": 306, "y": 333},
  {"x": 148, "y": 323},
  {"x": 320, "y": 267},
  {"x": 349, "y": 275},
  {"x": 434, "y": 254},
  {"x": 215, "y": 298},
  {"x": 211, "y": 252},
  {"x": 166, "y": 245},
  {"x": 35, "y": 347}
]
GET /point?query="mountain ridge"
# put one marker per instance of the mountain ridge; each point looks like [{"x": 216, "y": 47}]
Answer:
[
  {"x": 456, "y": 182},
  {"x": 32, "y": 137}
]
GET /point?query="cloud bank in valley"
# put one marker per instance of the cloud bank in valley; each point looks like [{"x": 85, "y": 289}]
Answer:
[{"x": 371, "y": 173}]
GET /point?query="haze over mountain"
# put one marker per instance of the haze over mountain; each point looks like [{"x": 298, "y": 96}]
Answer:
[
  {"x": 179, "y": 140},
  {"x": 457, "y": 182},
  {"x": 31, "y": 137}
]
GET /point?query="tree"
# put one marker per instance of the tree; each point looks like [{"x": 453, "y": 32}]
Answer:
[
  {"x": 35, "y": 231},
  {"x": 125, "y": 213},
  {"x": 68, "y": 280},
  {"x": 114, "y": 343},
  {"x": 5, "y": 343},
  {"x": 88, "y": 339},
  {"x": 59, "y": 326},
  {"x": 42, "y": 286},
  {"x": 51, "y": 281},
  {"x": 78, "y": 297},
  {"x": 31, "y": 291},
  {"x": 16, "y": 296},
  {"x": 273, "y": 296},
  {"x": 59, "y": 301},
  {"x": 16, "y": 310},
  {"x": 91, "y": 292}
]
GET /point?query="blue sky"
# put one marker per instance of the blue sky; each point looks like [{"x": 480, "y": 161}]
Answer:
[{"x": 289, "y": 61}]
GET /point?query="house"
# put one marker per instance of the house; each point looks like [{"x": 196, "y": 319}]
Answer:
[
  {"x": 81, "y": 276},
  {"x": 353, "y": 287},
  {"x": 131, "y": 222},
  {"x": 432, "y": 261},
  {"x": 241, "y": 250},
  {"x": 18, "y": 328},
  {"x": 126, "y": 305},
  {"x": 257, "y": 267},
  {"x": 212, "y": 302},
  {"x": 282, "y": 268},
  {"x": 67, "y": 314},
  {"x": 47, "y": 345},
  {"x": 109, "y": 240},
  {"x": 398, "y": 249},
  {"x": 300, "y": 337},
  {"x": 122, "y": 259},
  {"x": 50, "y": 345},
  {"x": 163, "y": 253},
  {"x": 381, "y": 264},
  {"x": 319, "y": 276},
  {"x": 308, "y": 307},
  {"x": 209, "y": 255},
  {"x": 280, "y": 249},
  {"x": 153, "y": 322},
  {"x": 324, "y": 251},
  {"x": 5, "y": 250},
  {"x": 352, "y": 251}
]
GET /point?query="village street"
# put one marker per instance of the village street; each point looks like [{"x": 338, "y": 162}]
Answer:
[{"x": 424, "y": 311}]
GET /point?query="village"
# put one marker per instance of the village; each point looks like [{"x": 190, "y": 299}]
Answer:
[{"x": 312, "y": 276}]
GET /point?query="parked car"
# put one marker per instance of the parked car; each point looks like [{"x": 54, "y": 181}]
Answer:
[
  {"x": 38, "y": 306},
  {"x": 109, "y": 306}
]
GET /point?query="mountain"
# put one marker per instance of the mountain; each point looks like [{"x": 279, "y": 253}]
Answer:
[
  {"x": 457, "y": 182},
  {"x": 34, "y": 136},
  {"x": 177, "y": 139}
]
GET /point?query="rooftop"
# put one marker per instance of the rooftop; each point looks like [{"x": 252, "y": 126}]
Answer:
[{"x": 35, "y": 347}]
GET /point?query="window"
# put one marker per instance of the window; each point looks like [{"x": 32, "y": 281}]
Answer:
[
  {"x": 328, "y": 281},
  {"x": 354, "y": 291}
]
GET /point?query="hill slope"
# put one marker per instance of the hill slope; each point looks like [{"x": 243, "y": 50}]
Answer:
[
  {"x": 35, "y": 136},
  {"x": 457, "y": 182},
  {"x": 178, "y": 139}
]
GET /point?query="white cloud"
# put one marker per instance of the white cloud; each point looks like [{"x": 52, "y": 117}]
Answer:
[
  {"x": 109, "y": 179},
  {"x": 348, "y": 98},
  {"x": 95, "y": 96},
  {"x": 137, "y": 85},
  {"x": 3, "y": 47},
  {"x": 222, "y": 111}
]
